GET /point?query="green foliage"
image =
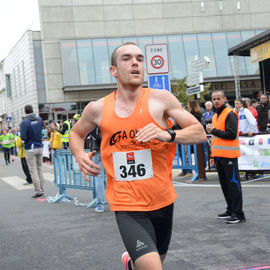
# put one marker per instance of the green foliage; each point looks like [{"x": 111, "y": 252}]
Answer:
[{"x": 179, "y": 87}]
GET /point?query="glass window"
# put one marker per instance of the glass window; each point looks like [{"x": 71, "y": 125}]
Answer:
[
  {"x": 160, "y": 39},
  {"x": 206, "y": 49},
  {"x": 70, "y": 62},
  {"x": 177, "y": 57},
  {"x": 8, "y": 85},
  {"x": 101, "y": 61},
  {"x": 251, "y": 68},
  {"x": 191, "y": 50},
  {"x": 112, "y": 44},
  {"x": 142, "y": 41},
  {"x": 221, "y": 54},
  {"x": 259, "y": 31},
  {"x": 130, "y": 39},
  {"x": 86, "y": 63},
  {"x": 234, "y": 38}
]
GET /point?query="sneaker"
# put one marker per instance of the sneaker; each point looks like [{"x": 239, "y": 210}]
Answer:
[
  {"x": 224, "y": 215},
  {"x": 99, "y": 208},
  {"x": 126, "y": 260},
  {"x": 234, "y": 220},
  {"x": 182, "y": 174},
  {"x": 189, "y": 174},
  {"x": 38, "y": 195}
]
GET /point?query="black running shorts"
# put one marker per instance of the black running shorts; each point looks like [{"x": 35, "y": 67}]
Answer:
[{"x": 144, "y": 232}]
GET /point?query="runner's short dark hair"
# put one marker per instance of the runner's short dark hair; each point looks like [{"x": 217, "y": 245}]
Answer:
[{"x": 113, "y": 57}]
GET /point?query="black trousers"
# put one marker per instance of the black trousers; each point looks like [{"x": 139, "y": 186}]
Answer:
[
  {"x": 26, "y": 171},
  {"x": 6, "y": 154},
  {"x": 230, "y": 184}
]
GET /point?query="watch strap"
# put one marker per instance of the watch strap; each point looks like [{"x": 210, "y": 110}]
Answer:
[{"x": 172, "y": 133}]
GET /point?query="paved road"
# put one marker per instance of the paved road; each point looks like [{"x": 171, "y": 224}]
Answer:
[{"x": 40, "y": 235}]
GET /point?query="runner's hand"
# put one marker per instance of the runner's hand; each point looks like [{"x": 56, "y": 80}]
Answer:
[
  {"x": 87, "y": 166},
  {"x": 150, "y": 132}
]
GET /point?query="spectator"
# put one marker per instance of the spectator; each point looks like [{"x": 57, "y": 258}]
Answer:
[
  {"x": 55, "y": 139},
  {"x": 31, "y": 135},
  {"x": 247, "y": 122},
  {"x": 21, "y": 152},
  {"x": 262, "y": 110},
  {"x": 64, "y": 130},
  {"x": 12, "y": 143},
  {"x": 95, "y": 141},
  {"x": 252, "y": 108},
  {"x": 208, "y": 114},
  {"x": 225, "y": 151},
  {"x": 6, "y": 144},
  {"x": 194, "y": 109}
]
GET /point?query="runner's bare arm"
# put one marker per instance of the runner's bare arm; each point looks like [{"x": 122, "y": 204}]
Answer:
[
  {"x": 88, "y": 122},
  {"x": 163, "y": 105}
]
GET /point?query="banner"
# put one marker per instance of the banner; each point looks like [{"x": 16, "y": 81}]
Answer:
[
  {"x": 255, "y": 153},
  {"x": 260, "y": 52}
]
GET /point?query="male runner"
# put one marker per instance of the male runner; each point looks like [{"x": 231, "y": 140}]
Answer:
[{"x": 137, "y": 155}]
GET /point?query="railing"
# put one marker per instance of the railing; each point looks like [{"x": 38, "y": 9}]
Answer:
[{"x": 68, "y": 175}]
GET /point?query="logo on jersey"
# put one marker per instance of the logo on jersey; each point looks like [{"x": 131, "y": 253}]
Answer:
[
  {"x": 122, "y": 135},
  {"x": 130, "y": 158}
]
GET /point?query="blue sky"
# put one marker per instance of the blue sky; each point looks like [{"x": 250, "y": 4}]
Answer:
[{"x": 17, "y": 16}]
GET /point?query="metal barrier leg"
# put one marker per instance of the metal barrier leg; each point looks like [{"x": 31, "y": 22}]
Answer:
[
  {"x": 92, "y": 204},
  {"x": 62, "y": 197},
  {"x": 195, "y": 177}
]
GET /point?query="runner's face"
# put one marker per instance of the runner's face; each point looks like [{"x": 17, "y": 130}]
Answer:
[
  {"x": 218, "y": 99},
  {"x": 130, "y": 66}
]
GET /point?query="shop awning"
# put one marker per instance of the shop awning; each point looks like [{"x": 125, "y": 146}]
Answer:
[{"x": 243, "y": 48}]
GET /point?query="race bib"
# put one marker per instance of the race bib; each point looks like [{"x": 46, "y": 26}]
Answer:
[{"x": 134, "y": 165}]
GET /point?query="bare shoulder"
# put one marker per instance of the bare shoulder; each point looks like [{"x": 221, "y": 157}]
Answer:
[
  {"x": 164, "y": 97},
  {"x": 93, "y": 111}
]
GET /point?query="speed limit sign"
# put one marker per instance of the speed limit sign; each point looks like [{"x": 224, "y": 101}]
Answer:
[
  {"x": 157, "y": 62},
  {"x": 157, "y": 58}
]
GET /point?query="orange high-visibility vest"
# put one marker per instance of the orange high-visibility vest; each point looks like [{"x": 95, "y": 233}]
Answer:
[{"x": 224, "y": 147}]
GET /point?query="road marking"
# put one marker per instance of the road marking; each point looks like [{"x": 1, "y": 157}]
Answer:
[
  {"x": 48, "y": 176},
  {"x": 177, "y": 184},
  {"x": 16, "y": 182}
]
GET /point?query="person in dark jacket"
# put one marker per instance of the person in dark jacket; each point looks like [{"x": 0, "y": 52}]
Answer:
[
  {"x": 225, "y": 151},
  {"x": 31, "y": 135},
  {"x": 262, "y": 110}
]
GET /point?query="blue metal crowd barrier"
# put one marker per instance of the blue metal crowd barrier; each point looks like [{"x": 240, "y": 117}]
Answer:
[
  {"x": 183, "y": 159},
  {"x": 67, "y": 174}
]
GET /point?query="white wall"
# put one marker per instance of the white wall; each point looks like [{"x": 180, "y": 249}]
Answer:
[{"x": 20, "y": 65}]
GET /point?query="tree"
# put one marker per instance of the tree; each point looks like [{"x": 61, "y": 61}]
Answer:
[{"x": 179, "y": 87}]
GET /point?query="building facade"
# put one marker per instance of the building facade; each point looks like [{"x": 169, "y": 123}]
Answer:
[
  {"x": 3, "y": 123},
  {"x": 24, "y": 77},
  {"x": 79, "y": 36}
]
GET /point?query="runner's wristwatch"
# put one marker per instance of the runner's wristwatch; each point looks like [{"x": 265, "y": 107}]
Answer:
[{"x": 172, "y": 133}]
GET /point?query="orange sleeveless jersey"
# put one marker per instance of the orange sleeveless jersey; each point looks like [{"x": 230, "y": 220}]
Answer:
[{"x": 139, "y": 175}]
